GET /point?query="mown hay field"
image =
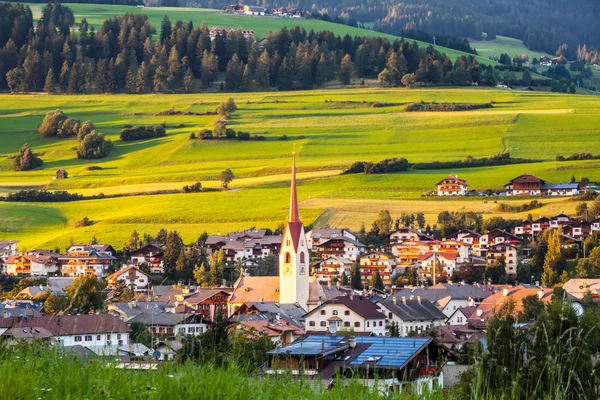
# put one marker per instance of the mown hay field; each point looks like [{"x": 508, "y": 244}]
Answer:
[{"x": 328, "y": 129}]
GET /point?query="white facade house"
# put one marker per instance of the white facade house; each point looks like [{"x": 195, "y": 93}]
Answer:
[
  {"x": 316, "y": 236},
  {"x": 452, "y": 186},
  {"x": 412, "y": 316},
  {"x": 509, "y": 252},
  {"x": 355, "y": 313},
  {"x": 33, "y": 263},
  {"x": 332, "y": 267},
  {"x": 460, "y": 316}
]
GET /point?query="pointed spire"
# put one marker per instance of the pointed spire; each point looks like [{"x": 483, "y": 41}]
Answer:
[{"x": 294, "y": 195}]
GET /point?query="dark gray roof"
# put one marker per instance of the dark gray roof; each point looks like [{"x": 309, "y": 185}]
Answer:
[
  {"x": 413, "y": 310},
  {"x": 161, "y": 318},
  {"x": 359, "y": 304},
  {"x": 289, "y": 312},
  {"x": 455, "y": 291}
]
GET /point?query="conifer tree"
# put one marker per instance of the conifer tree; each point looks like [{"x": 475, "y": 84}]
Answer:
[
  {"x": 49, "y": 84},
  {"x": 355, "y": 277},
  {"x": 188, "y": 81},
  {"x": 142, "y": 78},
  {"x": 345, "y": 73},
  {"x": 73, "y": 86},
  {"x": 160, "y": 80},
  {"x": 63, "y": 79}
]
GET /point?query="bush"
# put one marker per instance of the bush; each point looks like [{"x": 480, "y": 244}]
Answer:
[
  {"x": 230, "y": 133},
  {"x": 578, "y": 157},
  {"x": 85, "y": 129},
  {"x": 283, "y": 137},
  {"x": 85, "y": 221},
  {"x": 226, "y": 107},
  {"x": 219, "y": 127},
  {"x": 243, "y": 135},
  {"x": 68, "y": 128},
  {"x": 51, "y": 123},
  {"x": 301, "y": 137},
  {"x": 205, "y": 134},
  {"x": 180, "y": 126},
  {"x": 193, "y": 135},
  {"x": 196, "y": 187},
  {"x": 259, "y": 137},
  {"x": 522, "y": 208},
  {"x": 94, "y": 168},
  {"x": 382, "y": 167},
  {"x": 26, "y": 160},
  {"x": 94, "y": 146},
  {"x": 142, "y": 132}
]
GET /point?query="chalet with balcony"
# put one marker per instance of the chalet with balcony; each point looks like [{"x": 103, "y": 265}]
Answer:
[
  {"x": 33, "y": 263},
  {"x": 278, "y": 331},
  {"x": 452, "y": 186},
  {"x": 407, "y": 233},
  {"x": 522, "y": 229},
  {"x": 254, "y": 10},
  {"x": 497, "y": 236},
  {"x": 467, "y": 236},
  {"x": 343, "y": 247},
  {"x": 561, "y": 220},
  {"x": 377, "y": 261},
  {"x": 509, "y": 252},
  {"x": 578, "y": 230},
  {"x": 151, "y": 255},
  {"x": 437, "y": 263},
  {"x": 525, "y": 185},
  {"x": 169, "y": 326},
  {"x": 316, "y": 236},
  {"x": 87, "y": 259},
  {"x": 332, "y": 267},
  {"x": 408, "y": 252},
  {"x": 206, "y": 302}
]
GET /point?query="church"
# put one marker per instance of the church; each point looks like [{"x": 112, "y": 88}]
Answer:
[{"x": 294, "y": 285}]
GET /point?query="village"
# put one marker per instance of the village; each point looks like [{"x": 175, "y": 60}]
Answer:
[{"x": 400, "y": 311}]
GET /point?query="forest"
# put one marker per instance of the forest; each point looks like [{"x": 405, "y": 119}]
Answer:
[{"x": 122, "y": 56}]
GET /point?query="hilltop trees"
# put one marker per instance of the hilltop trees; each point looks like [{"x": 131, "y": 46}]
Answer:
[
  {"x": 93, "y": 146},
  {"x": 26, "y": 160},
  {"x": 51, "y": 123},
  {"x": 226, "y": 177}
]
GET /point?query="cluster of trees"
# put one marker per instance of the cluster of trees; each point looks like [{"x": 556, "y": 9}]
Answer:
[
  {"x": 401, "y": 164},
  {"x": 532, "y": 205},
  {"x": 26, "y": 160},
  {"x": 42, "y": 196},
  {"x": 578, "y": 157},
  {"x": 447, "y": 106},
  {"x": 142, "y": 132}
]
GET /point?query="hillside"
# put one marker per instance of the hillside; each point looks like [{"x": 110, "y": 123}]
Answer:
[
  {"x": 338, "y": 128},
  {"x": 96, "y": 14}
]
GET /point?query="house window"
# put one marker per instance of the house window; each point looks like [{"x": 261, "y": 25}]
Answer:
[
  {"x": 288, "y": 258},
  {"x": 335, "y": 312},
  {"x": 182, "y": 330},
  {"x": 302, "y": 257},
  {"x": 322, "y": 312},
  {"x": 287, "y": 242},
  {"x": 78, "y": 338},
  {"x": 367, "y": 324},
  {"x": 323, "y": 323},
  {"x": 346, "y": 324},
  {"x": 311, "y": 323},
  {"x": 118, "y": 336},
  {"x": 98, "y": 337},
  {"x": 191, "y": 330},
  {"x": 88, "y": 338},
  {"x": 357, "y": 324},
  {"x": 390, "y": 315},
  {"x": 380, "y": 323},
  {"x": 346, "y": 312},
  {"x": 120, "y": 343}
]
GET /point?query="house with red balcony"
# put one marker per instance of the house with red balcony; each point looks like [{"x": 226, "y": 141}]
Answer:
[
  {"x": 330, "y": 268},
  {"x": 151, "y": 255},
  {"x": 377, "y": 261}
]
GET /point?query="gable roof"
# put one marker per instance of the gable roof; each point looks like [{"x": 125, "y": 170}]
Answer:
[
  {"x": 65, "y": 325},
  {"x": 249, "y": 289},
  {"x": 413, "y": 310},
  {"x": 359, "y": 304},
  {"x": 116, "y": 275}
]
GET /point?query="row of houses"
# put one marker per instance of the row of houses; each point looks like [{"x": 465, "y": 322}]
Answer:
[
  {"x": 246, "y": 9},
  {"x": 523, "y": 185}
]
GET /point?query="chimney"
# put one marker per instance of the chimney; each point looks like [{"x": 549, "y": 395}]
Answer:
[
  {"x": 419, "y": 299},
  {"x": 352, "y": 342},
  {"x": 404, "y": 300},
  {"x": 479, "y": 312},
  {"x": 540, "y": 294},
  {"x": 471, "y": 302},
  {"x": 278, "y": 316},
  {"x": 393, "y": 300},
  {"x": 505, "y": 292},
  {"x": 352, "y": 296},
  {"x": 261, "y": 300}
]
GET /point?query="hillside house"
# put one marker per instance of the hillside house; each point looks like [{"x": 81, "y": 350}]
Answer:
[
  {"x": 452, "y": 186},
  {"x": 524, "y": 185},
  {"x": 461, "y": 316},
  {"x": 352, "y": 312},
  {"x": 509, "y": 252},
  {"x": 316, "y": 236},
  {"x": 407, "y": 233},
  {"x": 169, "y": 326},
  {"x": 279, "y": 332},
  {"x": 438, "y": 263},
  {"x": 206, "y": 302}
]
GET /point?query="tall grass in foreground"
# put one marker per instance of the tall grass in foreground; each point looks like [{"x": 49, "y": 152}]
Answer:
[{"x": 41, "y": 373}]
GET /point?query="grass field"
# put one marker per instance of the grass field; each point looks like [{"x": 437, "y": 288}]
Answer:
[
  {"x": 96, "y": 14},
  {"x": 336, "y": 133},
  {"x": 503, "y": 44}
]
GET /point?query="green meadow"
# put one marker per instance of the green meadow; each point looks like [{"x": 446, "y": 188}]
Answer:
[
  {"x": 96, "y": 14},
  {"x": 328, "y": 129},
  {"x": 505, "y": 45}
]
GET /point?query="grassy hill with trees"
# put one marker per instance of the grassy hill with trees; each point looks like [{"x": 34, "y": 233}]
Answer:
[{"x": 329, "y": 129}]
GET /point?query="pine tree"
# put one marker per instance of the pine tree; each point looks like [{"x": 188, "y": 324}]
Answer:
[
  {"x": 188, "y": 81},
  {"x": 200, "y": 275},
  {"x": 174, "y": 69},
  {"x": 173, "y": 248},
  {"x": 209, "y": 68},
  {"x": 376, "y": 281},
  {"x": 50, "y": 82},
  {"x": 111, "y": 76},
  {"x": 160, "y": 80},
  {"x": 262, "y": 70},
  {"x": 234, "y": 73},
  {"x": 131, "y": 78},
  {"x": 165, "y": 29},
  {"x": 355, "y": 276},
  {"x": 73, "y": 86},
  {"x": 141, "y": 82},
  {"x": 63, "y": 79},
  {"x": 345, "y": 72},
  {"x": 216, "y": 267},
  {"x": 181, "y": 264}
]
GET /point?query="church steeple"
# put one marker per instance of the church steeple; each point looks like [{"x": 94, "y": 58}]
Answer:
[{"x": 294, "y": 194}]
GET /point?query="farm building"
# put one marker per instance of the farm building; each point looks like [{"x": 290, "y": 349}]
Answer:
[
  {"x": 254, "y": 10},
  {"x": 61, "y": 174}
]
